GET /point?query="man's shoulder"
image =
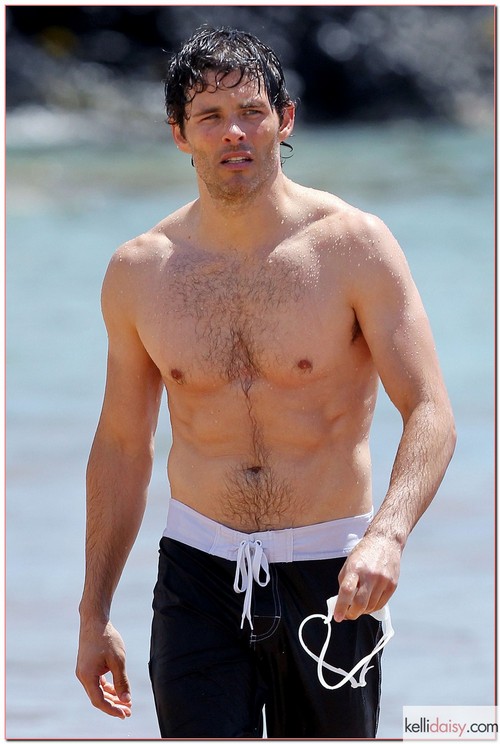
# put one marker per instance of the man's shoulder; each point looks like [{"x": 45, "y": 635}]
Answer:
[
  {"x": 334, "y": 215},
  {"x": 140, "y": 250},
  {"x": 152, "y": 245},
  {"x": 326, "y": 205},
  {"x": 350, "y": 237}
]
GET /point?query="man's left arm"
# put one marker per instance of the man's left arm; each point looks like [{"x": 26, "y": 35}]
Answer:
[{"x": 395, "y": 326}]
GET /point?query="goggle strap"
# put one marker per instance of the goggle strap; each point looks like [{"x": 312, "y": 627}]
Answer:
[{"x": 382, "y": 616}]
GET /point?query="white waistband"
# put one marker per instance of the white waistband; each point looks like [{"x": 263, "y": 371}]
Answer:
[
  {"x": 334, "y": 539},
  {"x": 253, "y": 552}
]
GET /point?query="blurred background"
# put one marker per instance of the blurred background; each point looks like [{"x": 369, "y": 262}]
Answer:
[
  {"x": 395, "y": 116},
  {"x": 344, "y": 63}
]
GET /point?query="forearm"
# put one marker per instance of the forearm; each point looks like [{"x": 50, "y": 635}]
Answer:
[
  {"x": 425, "y": 449},
  {"x": 370, "y": 575},
  {"x": 117, "y": 483}
]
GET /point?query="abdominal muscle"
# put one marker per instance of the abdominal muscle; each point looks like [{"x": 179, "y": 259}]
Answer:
[{"x": 268, "y": 467}]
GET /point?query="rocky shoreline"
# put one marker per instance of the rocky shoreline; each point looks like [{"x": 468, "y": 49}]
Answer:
[{"x": 343, "y": 63}]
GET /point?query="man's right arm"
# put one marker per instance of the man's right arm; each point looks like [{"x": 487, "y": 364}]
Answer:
[{"x": 118, "y": 474}]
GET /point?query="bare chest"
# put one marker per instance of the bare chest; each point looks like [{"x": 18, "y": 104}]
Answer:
[{"x": 210, "y": 321}]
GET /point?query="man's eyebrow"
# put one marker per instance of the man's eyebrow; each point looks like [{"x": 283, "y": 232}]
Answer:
[
  {"x": 251, "y": 103},
  {"x": 206, "y": 110}
]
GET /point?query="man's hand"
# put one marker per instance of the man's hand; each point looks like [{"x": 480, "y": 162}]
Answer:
[
  {"x": 101, "y": 651},
  {"x": 368, "y": 578}
]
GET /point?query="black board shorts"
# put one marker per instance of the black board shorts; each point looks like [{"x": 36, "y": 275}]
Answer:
[{"x": 211, "y": 678}]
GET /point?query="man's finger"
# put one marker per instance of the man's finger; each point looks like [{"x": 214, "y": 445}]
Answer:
[
  {"x": 347, "y": 591},
  {"x": 103, "y": 699},
  {"x": 109, "y": 690},
  {"x": 121, "y": 684}
]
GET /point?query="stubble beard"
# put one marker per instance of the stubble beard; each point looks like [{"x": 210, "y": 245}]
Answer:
[{"x": 240, "y": 188}]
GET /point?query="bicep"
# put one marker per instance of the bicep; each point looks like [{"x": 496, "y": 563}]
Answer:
[
  {"x": 397, "y": 330},
  {"x": 133, "y": 382},
  {"x": 133, "y": 392}
]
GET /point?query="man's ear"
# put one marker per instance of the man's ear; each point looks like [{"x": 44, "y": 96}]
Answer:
[
  {"x": 179, "y": 139},
  {"x": 287, "y": 122}
]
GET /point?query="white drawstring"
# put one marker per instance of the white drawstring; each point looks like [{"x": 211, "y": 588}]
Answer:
[
  {"x": 383, "y": 616},
  {"x": 250, "y": 562}
]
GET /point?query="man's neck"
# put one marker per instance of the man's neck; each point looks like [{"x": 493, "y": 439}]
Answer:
[{"x": 245, "y": 225}]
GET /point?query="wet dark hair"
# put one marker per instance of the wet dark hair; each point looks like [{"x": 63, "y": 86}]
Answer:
[{"x": 223, "y": 51}]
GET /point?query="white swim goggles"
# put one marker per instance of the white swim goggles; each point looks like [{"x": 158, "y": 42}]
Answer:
[{"x": 382, "y": 616}]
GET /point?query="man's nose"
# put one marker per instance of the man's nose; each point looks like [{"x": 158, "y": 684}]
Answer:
[{"x": 234, "y": 133}]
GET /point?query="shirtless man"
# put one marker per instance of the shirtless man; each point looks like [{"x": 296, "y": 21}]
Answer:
[{"x": 268, "y": 311}]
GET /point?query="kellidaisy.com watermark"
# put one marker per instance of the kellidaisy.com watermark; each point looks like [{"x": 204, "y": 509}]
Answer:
[{"x": 450, "y": 722}]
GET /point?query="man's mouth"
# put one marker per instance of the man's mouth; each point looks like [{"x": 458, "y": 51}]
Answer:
[{"x": 240, "y": 158}]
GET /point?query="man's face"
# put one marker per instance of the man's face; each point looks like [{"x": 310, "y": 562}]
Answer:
[{"x": 233, "y": 135}]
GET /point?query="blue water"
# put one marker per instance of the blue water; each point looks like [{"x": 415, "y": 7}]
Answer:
[{"x": 67, "y": 210}]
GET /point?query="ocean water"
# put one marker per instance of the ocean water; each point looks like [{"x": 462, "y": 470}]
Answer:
[{"x": 68, "y": 208}]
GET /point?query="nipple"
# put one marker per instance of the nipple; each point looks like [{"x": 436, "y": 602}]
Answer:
[
  {"x": 177, "y": 375},
  {"x": 304, "y": 364}
]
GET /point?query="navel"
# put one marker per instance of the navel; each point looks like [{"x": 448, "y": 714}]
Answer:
[
  {"x": 255, "y": 470},
  {"x": 305, "y": 365}
]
